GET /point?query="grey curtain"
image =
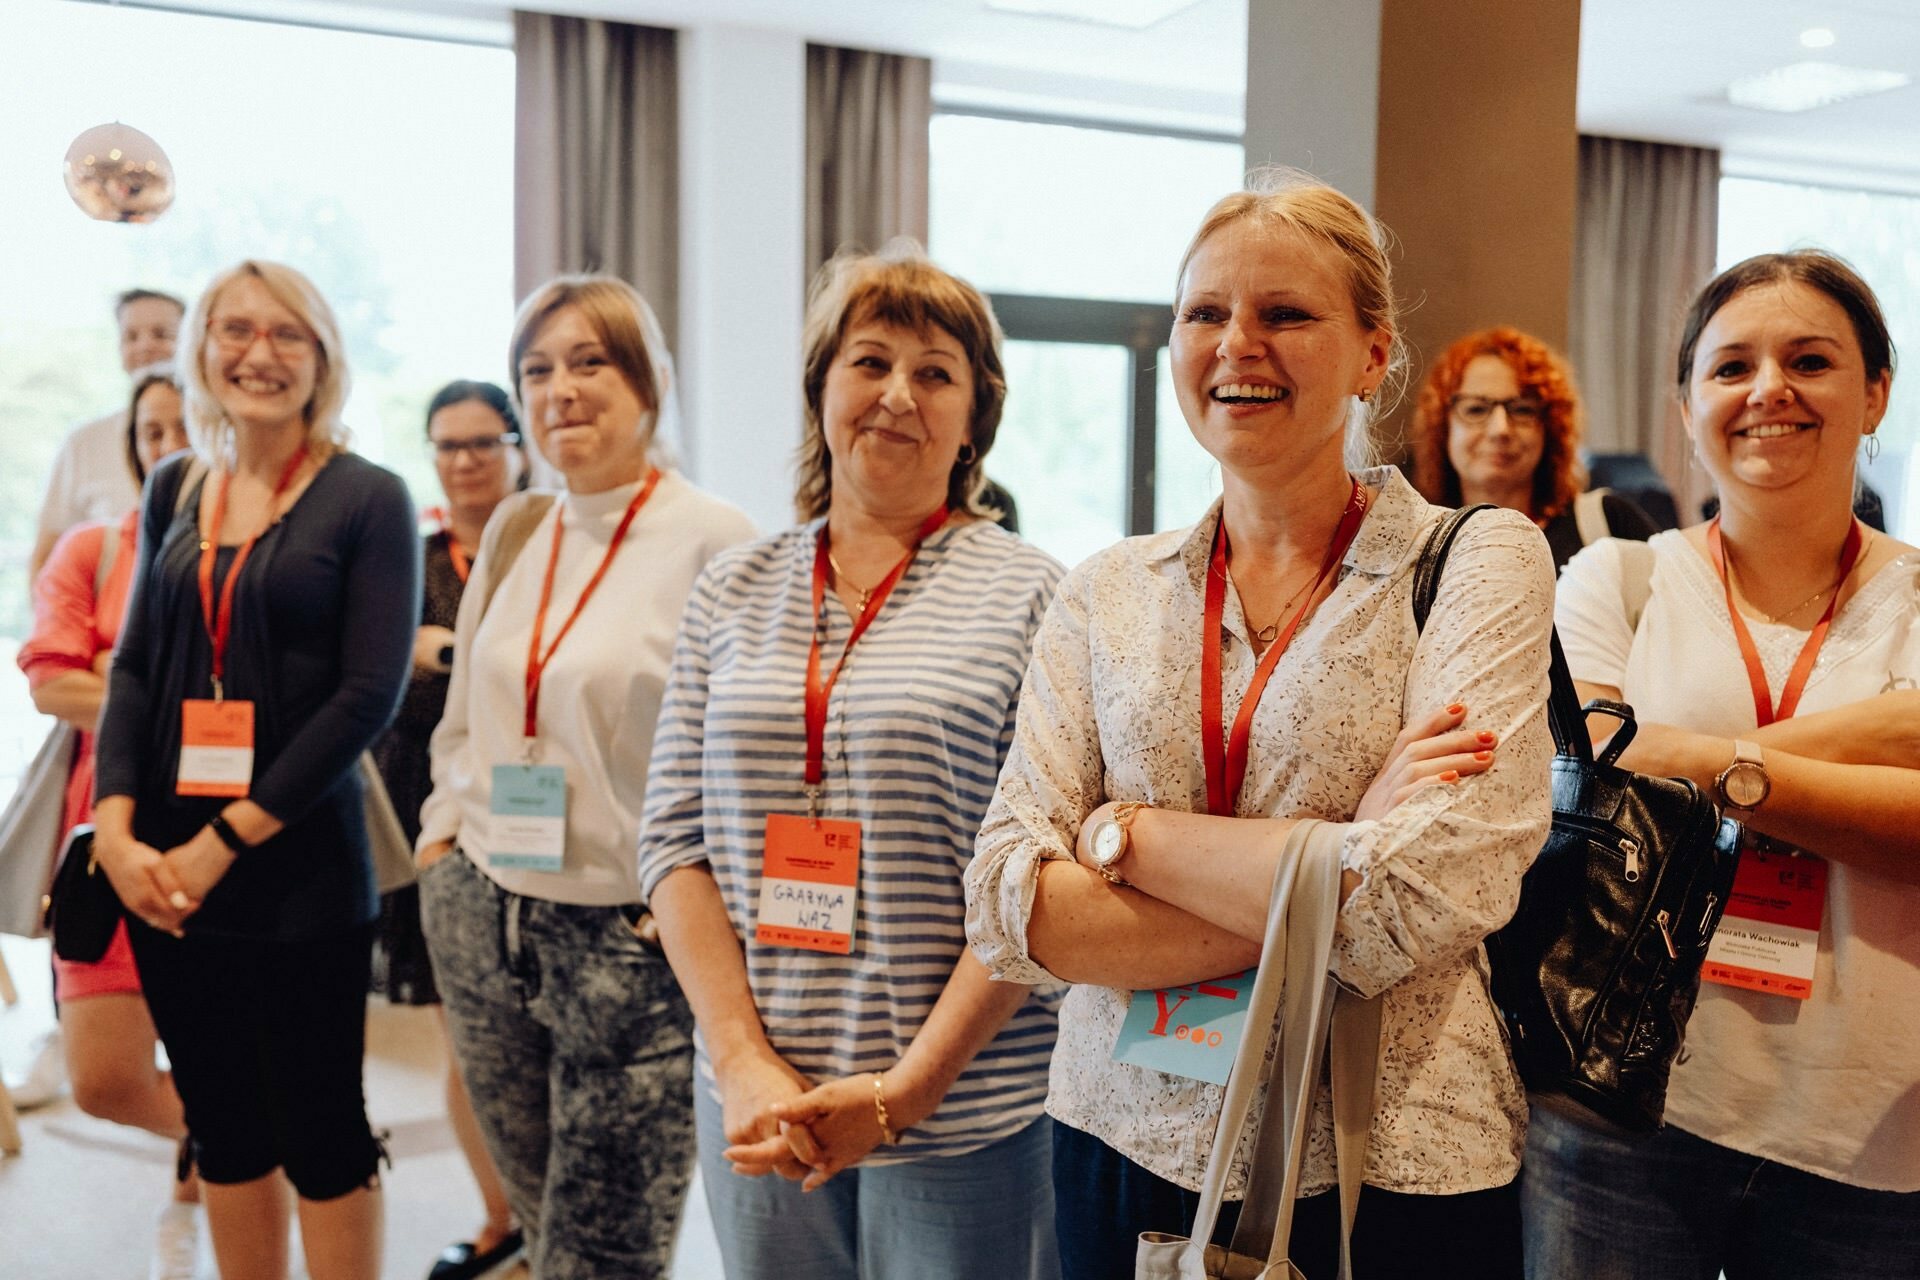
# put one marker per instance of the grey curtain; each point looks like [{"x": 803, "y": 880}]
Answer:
[
  {"x": 1645, "y": 242},
  {"x": 596, "y": 156},
  {"x": 867, "y": 119}
]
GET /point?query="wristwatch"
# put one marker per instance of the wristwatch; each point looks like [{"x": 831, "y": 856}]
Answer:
[
  {"x": 1111, "y": 839},
  {"x": 1744, "y": 783}
]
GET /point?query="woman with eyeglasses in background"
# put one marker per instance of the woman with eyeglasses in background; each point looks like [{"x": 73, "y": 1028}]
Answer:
[
  {"x": 1499, "y": 420},
  {"x": 479, "y": 460}
]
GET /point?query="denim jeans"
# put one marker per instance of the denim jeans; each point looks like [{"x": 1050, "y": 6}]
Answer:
[
  {"x": 576, "y": 1046},
  {"x": 1106, "y": 1200},
  {"x": 985, "y": 1215},
  {"x": 1671, "y": 1206}
]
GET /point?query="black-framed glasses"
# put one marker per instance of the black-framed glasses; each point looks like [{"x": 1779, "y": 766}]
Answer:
[
  {"x": 1477, "y": 411},
  {"x": 481, "y": 447},
  {"x": 234, "y": 335}
]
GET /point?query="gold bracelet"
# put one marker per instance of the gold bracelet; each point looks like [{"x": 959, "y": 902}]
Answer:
[{"x": 887, "y": 1135}]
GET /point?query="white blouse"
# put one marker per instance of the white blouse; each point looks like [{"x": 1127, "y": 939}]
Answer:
[
  {"x": 1111, "y": 711},
  {"x": 1830, "y": 1084}
]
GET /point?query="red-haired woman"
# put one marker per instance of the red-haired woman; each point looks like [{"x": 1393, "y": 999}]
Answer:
[{"x": 1498, "y": 420}]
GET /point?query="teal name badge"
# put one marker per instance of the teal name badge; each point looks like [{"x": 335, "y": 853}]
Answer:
[
  {"x": 528, "y": 817},
  {"x": 1192, "y": 1031}
]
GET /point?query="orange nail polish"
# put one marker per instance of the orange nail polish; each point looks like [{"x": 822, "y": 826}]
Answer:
[
  {"x": 1485, "y": 736},
  {"x": 1456, "y": 709},
  {"x": 1483, "y": 755},
  {"x": 1449, "y": 776}
]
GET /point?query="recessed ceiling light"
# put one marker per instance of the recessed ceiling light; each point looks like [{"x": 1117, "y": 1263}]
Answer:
[
  {"x": 1806, "y": 85},
  {"x": 1137, "y": 14},
  {"x": 1817, "y": 37}
]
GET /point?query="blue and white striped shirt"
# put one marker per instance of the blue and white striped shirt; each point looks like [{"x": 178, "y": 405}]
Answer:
[{"x": 918, "y": 724}]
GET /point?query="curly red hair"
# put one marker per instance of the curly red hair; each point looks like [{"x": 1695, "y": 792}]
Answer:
[{"x": 1544, "y": 374}]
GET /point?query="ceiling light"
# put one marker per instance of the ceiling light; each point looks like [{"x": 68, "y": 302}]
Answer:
[
  {"x": 1806, "y": 85},
  {"x": 1137, "y": 14},
  {"x": 1816, "y": 37}
]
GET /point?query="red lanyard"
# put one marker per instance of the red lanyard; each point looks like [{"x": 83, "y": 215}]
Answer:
[
  {"x": 536, "y": 664},
  {"x": 819, "y": 690},
  {"x": 219, "y": 621},
  {"x": 1764, "y": 710},
  {"x": 1226, "y": 761}
]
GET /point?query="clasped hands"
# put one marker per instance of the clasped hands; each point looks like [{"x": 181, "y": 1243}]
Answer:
[
  {"x": 777, "y": 1121},
  {"x": 164, "y": 889}
]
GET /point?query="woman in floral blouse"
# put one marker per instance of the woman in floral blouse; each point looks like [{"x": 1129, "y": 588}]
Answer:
[{"x": 1430, "y": 749}]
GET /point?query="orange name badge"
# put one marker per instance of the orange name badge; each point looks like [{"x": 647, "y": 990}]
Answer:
[
  {"x": 216, "y": 747},
  {"x": 1770, "y": 935},
  {"x": 808, "y": 884}
]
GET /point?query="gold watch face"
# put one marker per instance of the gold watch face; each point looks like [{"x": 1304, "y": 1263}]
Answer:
[
  {"x": 1744, "y": 784},
  {"x": 1109, "y": 842}
]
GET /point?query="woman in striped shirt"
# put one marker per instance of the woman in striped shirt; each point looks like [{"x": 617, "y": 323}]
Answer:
[{"x": 840, "y": 703}]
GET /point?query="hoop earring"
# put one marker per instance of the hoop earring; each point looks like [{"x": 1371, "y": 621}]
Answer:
[
  {"x": 1873, "y": 447},
  {"x": 968, "y": 454}
]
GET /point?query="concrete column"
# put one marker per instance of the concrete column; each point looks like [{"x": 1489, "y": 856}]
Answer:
[{"x": 742, "y": 193}]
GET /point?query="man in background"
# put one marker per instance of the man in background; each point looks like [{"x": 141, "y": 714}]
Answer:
[{"x": 91, "y": 479}]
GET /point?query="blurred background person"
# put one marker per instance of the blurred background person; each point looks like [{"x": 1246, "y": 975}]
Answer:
[
  {"x": 89, "y": 479},
  {"x": 1498, "y": 420},
  {"x": 79, "y": 599},
  {"x": 479, "y": 460},
  {"x": 265, "y": 648},
  {"x": 572, "y": 1035}
]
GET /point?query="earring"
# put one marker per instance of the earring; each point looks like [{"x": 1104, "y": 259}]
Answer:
[
  {"x": 1366, "y": 395},
  {"x": 1873, "y": 447},
  {"x": 967, "y": 454}
]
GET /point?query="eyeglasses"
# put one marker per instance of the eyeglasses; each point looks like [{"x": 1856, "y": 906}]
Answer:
[
  {"x": 481, "y": 447},
  {"x": 234, "y": 335},
  {"x": 1477, "y": 411}
]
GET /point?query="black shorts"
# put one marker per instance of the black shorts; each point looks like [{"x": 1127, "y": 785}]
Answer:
[{"x": 267, "y": 1040}]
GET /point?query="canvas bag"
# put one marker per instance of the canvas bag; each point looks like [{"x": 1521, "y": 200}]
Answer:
[{"x": 1306, "y": 1013}]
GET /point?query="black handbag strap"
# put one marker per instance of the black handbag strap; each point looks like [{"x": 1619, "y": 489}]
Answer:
[{"x": 1564, "y": 716}]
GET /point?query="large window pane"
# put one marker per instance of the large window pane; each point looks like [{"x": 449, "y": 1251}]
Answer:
[
  {"x": 1062, "y": 447},
  {"x": 1068, "y": 211},
  {"x": 1878, "y": 233}
]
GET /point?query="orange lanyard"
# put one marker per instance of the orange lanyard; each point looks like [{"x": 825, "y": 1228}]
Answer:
[
  {"x": 462, "y": 562},
  {"x": 1764, "y": 711},
  {"x": 536, "y": 663},
  {"x": 1226, "y": 760},
  {"x": 219, "y": 620},
  {"x": 819, "y": 690}
]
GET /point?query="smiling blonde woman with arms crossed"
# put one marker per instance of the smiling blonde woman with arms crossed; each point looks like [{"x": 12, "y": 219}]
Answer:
[
  {"x": 1774, "y": 661},
  {"x": 862, "y": 670}
]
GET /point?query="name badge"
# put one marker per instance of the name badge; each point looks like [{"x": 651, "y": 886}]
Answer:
[
  {"x": 216, "y": 747},
  {"x": 1770, "y": 935},
  {"x": 808, "y": 883},
  {"x": 527, "y": 817},
  {"x": 1192, "y": 1031}
]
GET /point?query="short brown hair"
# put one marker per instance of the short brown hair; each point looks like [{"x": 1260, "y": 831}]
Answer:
[
  {"x": 626, "y": 325},
  {"x": 898, "y": 286},
  {"x": 1543, "y": 374}
]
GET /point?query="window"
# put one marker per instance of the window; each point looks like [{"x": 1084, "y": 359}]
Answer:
[
  {"x": 1876, "y": 232},
  {"x": 1075, "y": 231},
  {"x": 380, "y": 166}
]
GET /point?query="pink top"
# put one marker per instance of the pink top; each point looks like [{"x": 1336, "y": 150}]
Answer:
[{"x": 72, "y": 627}]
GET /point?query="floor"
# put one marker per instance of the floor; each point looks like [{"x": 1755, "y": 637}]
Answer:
[{"x": 79, "y": 1202}]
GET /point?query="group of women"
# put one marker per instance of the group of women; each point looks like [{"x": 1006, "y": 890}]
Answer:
[{"x": 840, "y": 855}]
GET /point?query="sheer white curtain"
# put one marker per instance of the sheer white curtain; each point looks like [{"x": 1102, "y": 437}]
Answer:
[
  {"x": 867, "y": 121},
  {"x": 1644, "y": 244}
]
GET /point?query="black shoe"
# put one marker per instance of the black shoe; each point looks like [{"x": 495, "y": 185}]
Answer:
[{"x": 463, "y": 1262}]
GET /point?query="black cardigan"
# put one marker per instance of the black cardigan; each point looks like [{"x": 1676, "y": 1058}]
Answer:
[{"x": 324, "y": 618}]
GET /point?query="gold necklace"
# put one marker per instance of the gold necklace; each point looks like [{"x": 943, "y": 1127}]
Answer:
[
  {"x": 840, "y": 578},
  {"x": 1776, "y": 618},
  {"x": 1271, "y": 632}
]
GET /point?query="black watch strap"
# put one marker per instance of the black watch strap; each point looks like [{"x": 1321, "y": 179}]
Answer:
[{"x": 219, "y": 825}]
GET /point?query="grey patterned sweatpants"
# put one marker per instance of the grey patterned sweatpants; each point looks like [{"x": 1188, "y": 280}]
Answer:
[{"x": 576, "y": 1046}]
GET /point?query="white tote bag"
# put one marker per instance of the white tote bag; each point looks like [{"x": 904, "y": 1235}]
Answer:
[{"x": 31, "y": 831}]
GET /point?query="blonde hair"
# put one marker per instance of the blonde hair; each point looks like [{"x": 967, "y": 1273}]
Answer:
[
  {"x": 898, "y": 286},
  {"x": 627, "y": 328},
  {"x": 207, "y": 425},
  {"x": 1277, "y": 198}
]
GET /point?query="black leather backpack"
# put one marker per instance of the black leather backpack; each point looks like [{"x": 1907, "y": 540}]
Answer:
[{"x": 1597, "y": 972}]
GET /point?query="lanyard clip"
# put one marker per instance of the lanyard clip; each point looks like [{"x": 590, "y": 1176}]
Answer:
[
  {"x": 219, "y": 690},
  {"x": 814, "y": 790},
  {"x": 529, "y": 751}
]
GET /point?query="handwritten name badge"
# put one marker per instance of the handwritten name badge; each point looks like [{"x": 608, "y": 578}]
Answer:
[
  {"x": 1192, "y": 1031},
  {"x": 216, "y": 747},
  {"x": 808, "y": 883},
  {"x": 527, "y": 817},
  {"x": 1769, "y": 937}
]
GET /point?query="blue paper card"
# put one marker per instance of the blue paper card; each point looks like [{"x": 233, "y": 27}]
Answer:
[
  {"x": 1192, "y": 1031},
  {"x": 528, "y": 826}
]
